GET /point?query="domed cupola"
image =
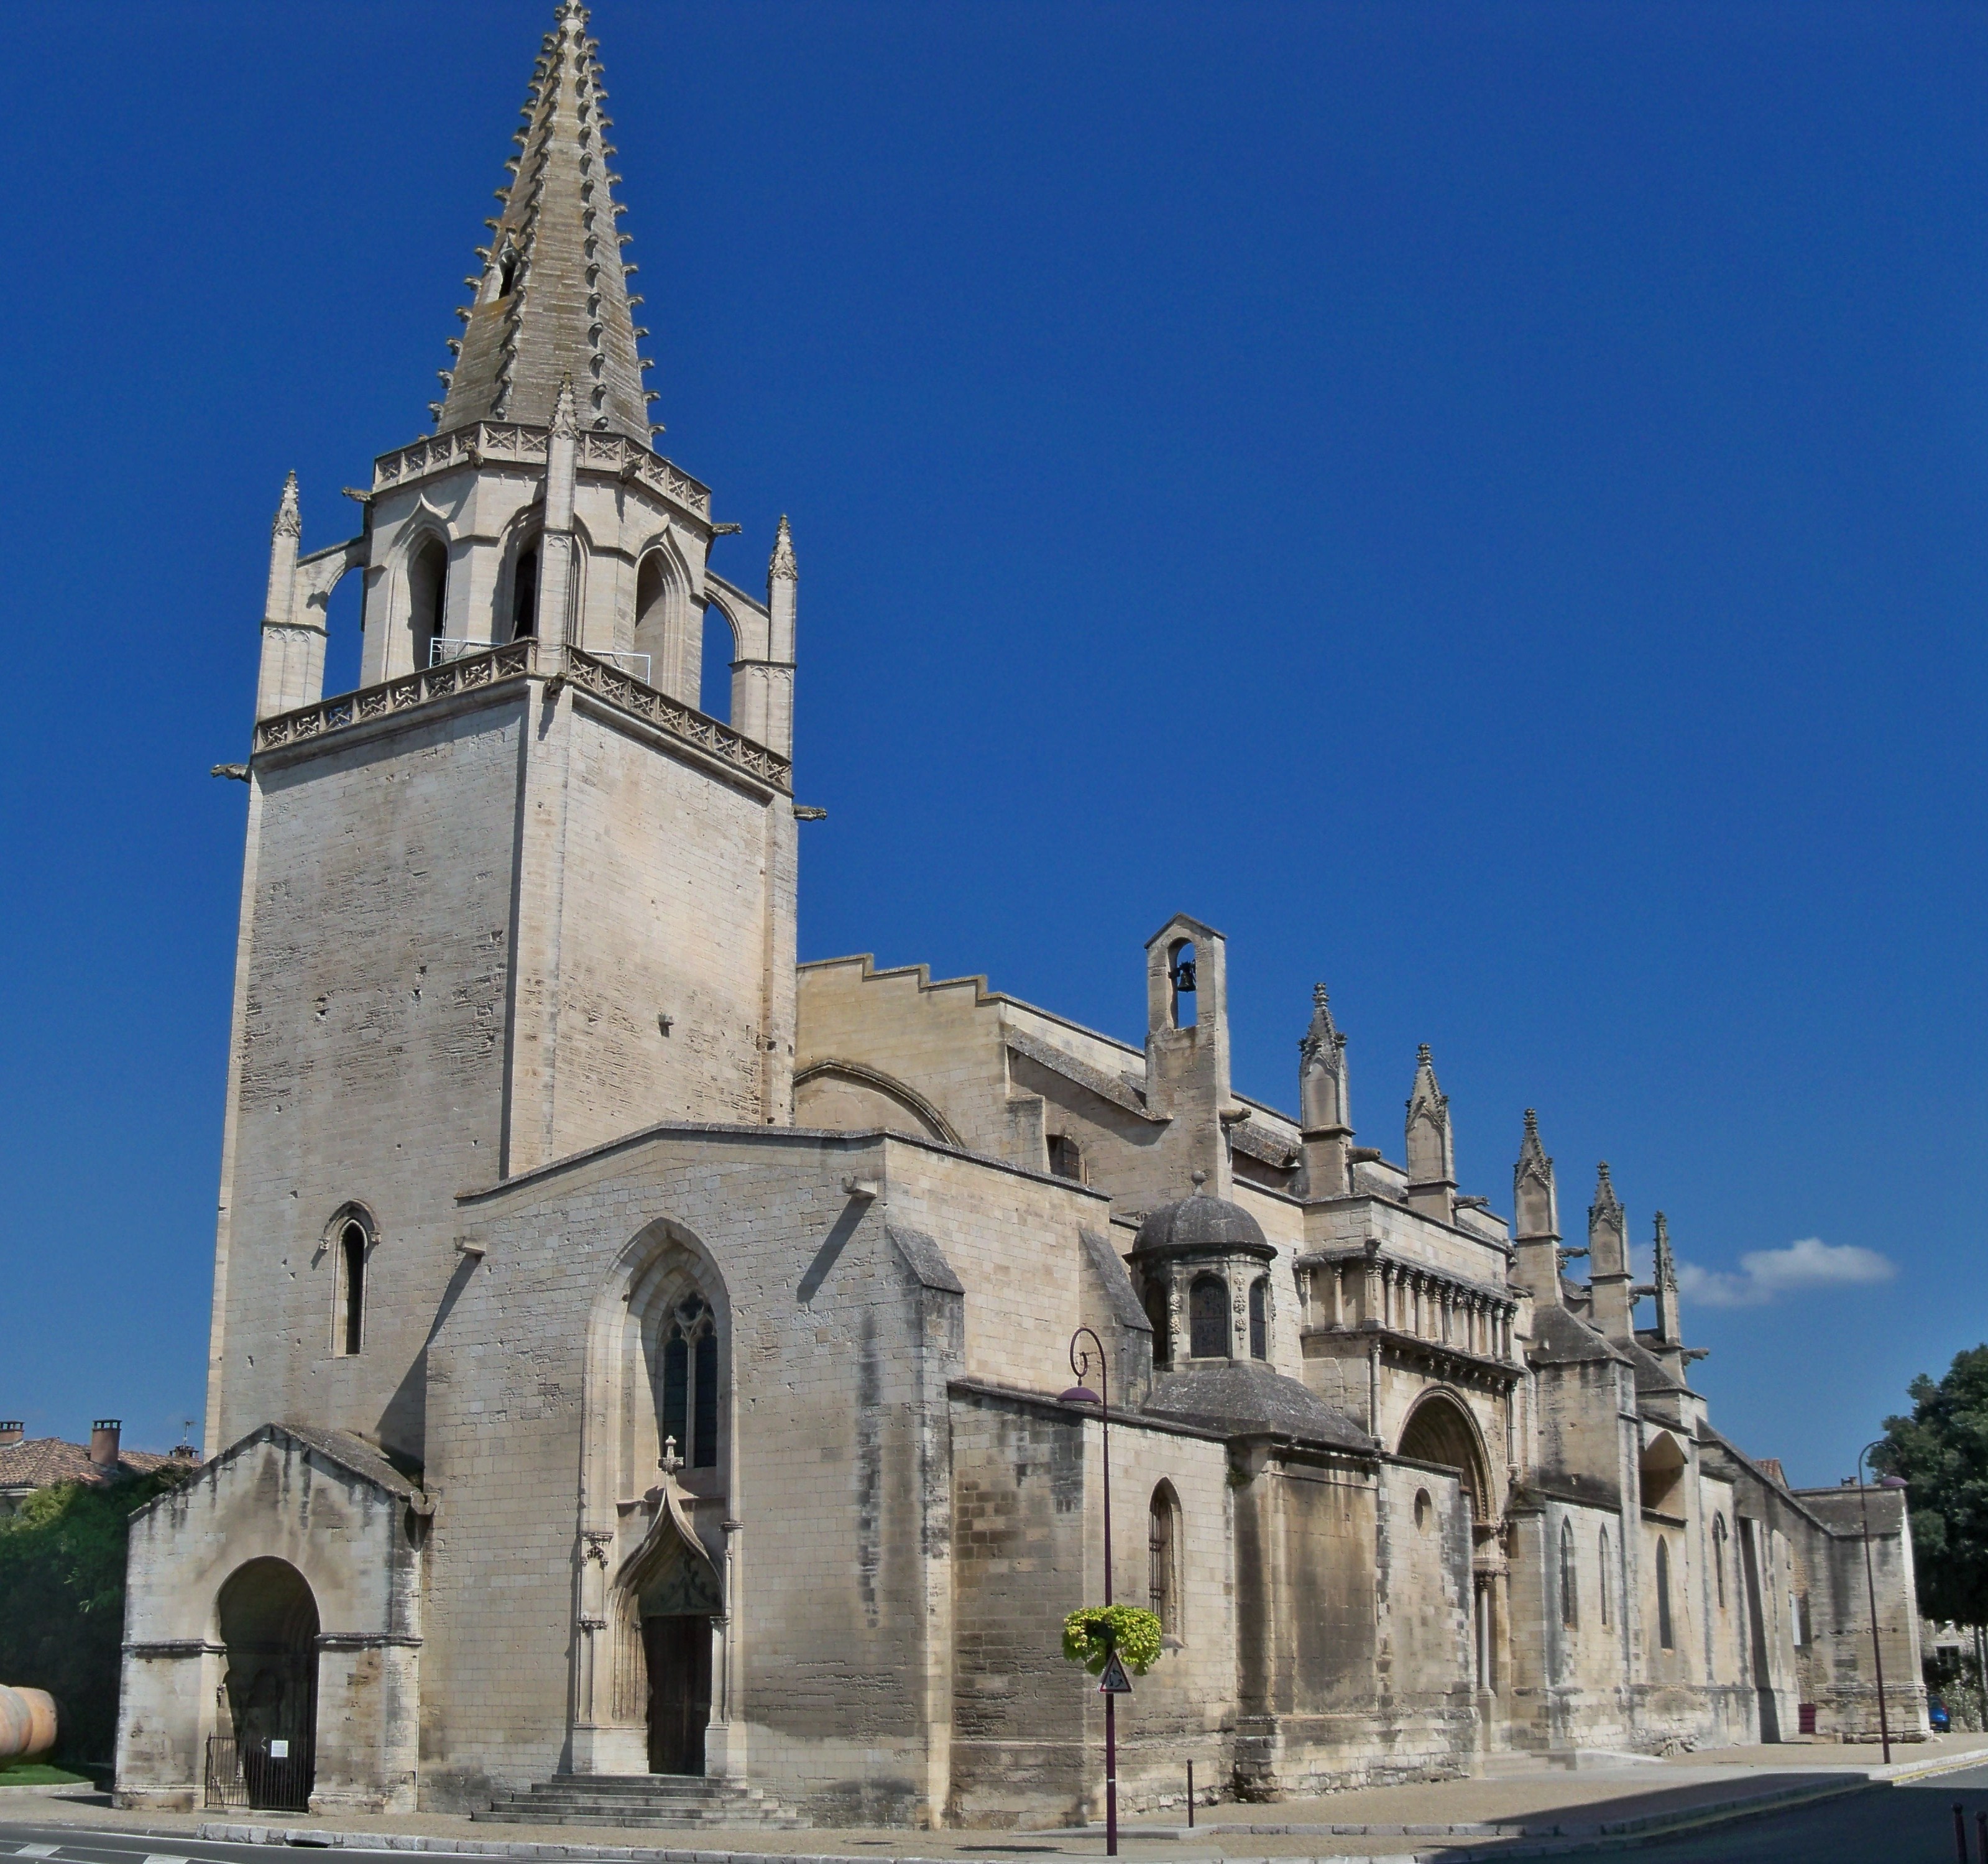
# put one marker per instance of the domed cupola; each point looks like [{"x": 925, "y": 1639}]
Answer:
[{"x": 1203, "y": 1266}]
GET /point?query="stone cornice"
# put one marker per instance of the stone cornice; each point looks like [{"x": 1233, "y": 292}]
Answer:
[
  {"x": 507, "y": 443},
  {"x": 516, "y": 661},
  {"x": 1447, "y": 1361},
  {"x": 1359, "y": 1255}
]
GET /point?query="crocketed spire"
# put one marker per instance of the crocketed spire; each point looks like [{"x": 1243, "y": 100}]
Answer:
[{"x": 553, "y": 301}]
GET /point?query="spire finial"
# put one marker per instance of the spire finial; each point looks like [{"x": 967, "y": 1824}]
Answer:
[
  {"x": 289, "y": 520},
  {"x": 1321, "y": 1041},
  {"x": 1422, "y": 1054},
  {"x": 1200, "y": 1184},
  {"x": 783, "y": 568}
]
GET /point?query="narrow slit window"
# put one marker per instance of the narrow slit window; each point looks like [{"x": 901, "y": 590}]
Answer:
[
  {"x": 1569, "y": 1596},
  {"x": 1607, "y": 1582},
  {"x": 352, "y": 1318},
  {"x": 1666, "y": 1635},
  {"x": 1259, "y": 1320}
]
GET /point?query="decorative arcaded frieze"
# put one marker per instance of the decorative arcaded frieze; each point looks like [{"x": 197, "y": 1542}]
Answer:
[
  {"x": 513, "y": 661},
  {"x": 511, "y": 443}
]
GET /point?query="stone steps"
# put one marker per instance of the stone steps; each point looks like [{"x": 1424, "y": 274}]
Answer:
[{"x": 670, "y": 1801}]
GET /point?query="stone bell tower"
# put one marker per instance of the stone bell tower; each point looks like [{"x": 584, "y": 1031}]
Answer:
[{"x": 515, "y": 896}]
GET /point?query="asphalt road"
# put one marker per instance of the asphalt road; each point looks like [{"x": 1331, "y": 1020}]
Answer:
[{"x": 1910, "y": 1823}]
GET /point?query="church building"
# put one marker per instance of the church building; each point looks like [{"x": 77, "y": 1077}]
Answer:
[{"x": 641, "y": 1378}]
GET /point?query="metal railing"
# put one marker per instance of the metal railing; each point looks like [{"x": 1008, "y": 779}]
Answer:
[{"x": 272, "y": 1776}]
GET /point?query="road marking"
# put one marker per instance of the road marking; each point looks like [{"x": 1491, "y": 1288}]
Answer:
[
  {"x": 165, "y": 1857},
  {"x": 36, "y": 1851}
]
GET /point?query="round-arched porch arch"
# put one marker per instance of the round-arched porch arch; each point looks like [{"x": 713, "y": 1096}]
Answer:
[{"x": 1441, "y": 1430}]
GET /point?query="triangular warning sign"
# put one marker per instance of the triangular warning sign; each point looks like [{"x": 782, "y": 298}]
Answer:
[{"x": 1114, "y": 1682}]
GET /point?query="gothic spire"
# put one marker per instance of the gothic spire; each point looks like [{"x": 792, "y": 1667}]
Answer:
[
  {"x": 1608, "y": 1259},
  {"x": 1325, "y": 1114},
  {"x": 1536, "y": 1214},
  {"x": 1665, "y": 1283},
  {"x": 552, "y": 300},
  {"x": 1431, "y": 1148}
]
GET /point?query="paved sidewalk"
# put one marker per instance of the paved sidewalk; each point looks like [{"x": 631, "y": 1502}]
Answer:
[{"x": 1522, "y": 1809}]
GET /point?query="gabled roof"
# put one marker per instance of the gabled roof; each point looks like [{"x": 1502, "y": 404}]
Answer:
[
  {"x": 1561, "y": 1339},
  {"x": 552, "y": 304}
]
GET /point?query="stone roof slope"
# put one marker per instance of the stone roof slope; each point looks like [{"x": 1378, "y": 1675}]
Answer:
[
  {"x": 1244, "y": 1398},
  {"x": 553, "y": 303}
]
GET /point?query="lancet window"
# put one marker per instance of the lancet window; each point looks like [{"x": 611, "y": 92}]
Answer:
[
  {"x": 1163, "y": 1554},
  {"x": 689, "y": 1408}
]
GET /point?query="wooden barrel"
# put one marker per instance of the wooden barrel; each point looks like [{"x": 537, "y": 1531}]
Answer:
[{"x": 27, "y": 1724}]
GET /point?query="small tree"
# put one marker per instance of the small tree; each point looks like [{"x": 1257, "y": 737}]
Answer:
[
  {"x": 1942, "y": 1453},
  {"x": 1091, "y": 1635},
  {"x": 62, "y": 1602}
]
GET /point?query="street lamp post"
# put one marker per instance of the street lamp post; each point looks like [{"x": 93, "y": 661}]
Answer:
[
  {"x": 1081, "y": 1360},
  {"x": 1871, "y": 1589}
]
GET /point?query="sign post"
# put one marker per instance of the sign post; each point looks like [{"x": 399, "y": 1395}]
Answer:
[{"x": 1111, "y": 1690}]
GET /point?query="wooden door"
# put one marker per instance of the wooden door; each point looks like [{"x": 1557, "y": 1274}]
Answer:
[{"x": 678, "y": 1652}]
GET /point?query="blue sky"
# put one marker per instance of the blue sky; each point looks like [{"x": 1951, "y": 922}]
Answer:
[{"x": 1483, "y": 504}]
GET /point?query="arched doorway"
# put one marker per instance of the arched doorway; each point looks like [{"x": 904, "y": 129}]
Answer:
[
  {"x": 674, "y": 1593},
  {"x": 268, "y": 1626}
]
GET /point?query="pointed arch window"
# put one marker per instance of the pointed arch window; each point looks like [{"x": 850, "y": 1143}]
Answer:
[
  {"x": 352, "y": 1248},
  {"x": 427, "y": 601},
  {"x": 1718, "y": 1558},
  {"x": 1163, "y": 1558},
  {"x": 1208, "y": 1318},
  {"x": 1570, "y": 1591},
  {"x": 690, "y": 1383},
  {"x": 1607, "y": 1579},
  {"x": 1666, "y": 1632}
]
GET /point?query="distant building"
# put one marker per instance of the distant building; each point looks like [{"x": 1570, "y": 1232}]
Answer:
[{"x": 30, "y": 1463}]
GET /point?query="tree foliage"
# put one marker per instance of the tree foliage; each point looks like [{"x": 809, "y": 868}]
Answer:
[
  {"x": 61, "y": 1601},
  {"x": 1090, "y": 1635},
  {"x": 1942, "y": 1452}
]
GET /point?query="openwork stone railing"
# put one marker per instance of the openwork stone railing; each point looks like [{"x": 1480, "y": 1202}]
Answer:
[
  {"x": 461, "y": 675},
  {"x": 513, "y": 661},
  {"x": 623, "y": 690},
  {"x": 510, "y": 442}
]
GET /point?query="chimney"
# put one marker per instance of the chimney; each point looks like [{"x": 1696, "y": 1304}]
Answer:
[
  {"x": 103, "y": 1443},
  {"x": 11, "y": 1431}
]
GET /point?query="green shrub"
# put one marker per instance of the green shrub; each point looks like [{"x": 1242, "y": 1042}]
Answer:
[{"x": 62, "y": 1602}]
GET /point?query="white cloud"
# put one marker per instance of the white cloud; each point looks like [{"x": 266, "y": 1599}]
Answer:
[{"x": 1766, "y": 1274}]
